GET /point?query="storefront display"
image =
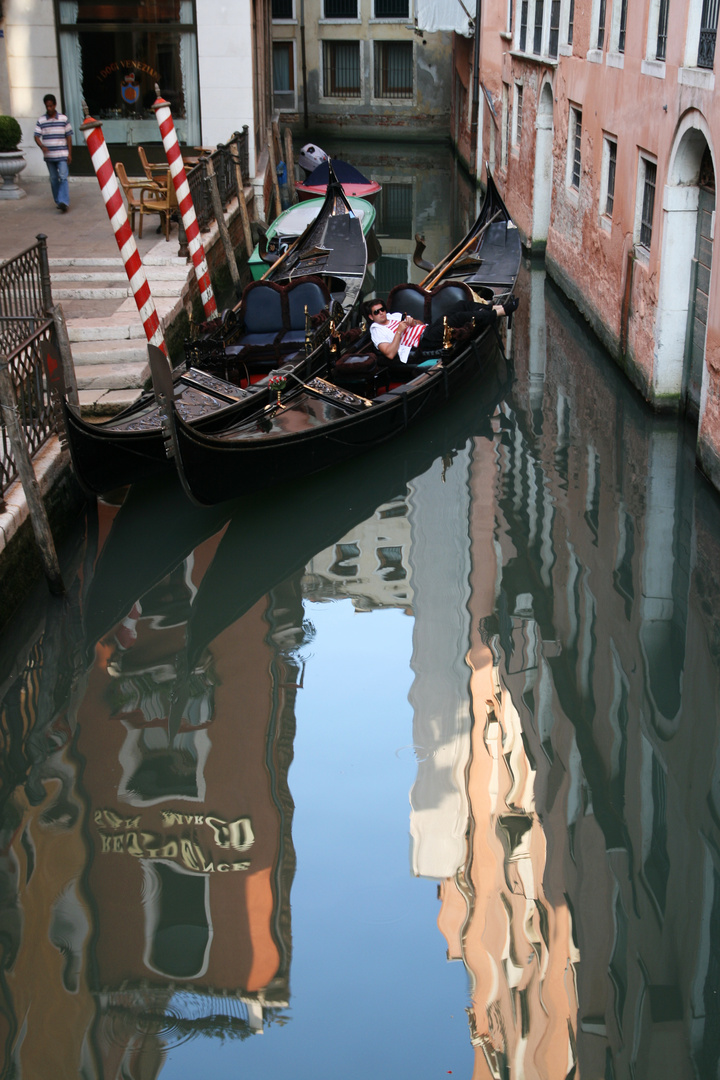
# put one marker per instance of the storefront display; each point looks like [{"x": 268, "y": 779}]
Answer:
[{"x": 113, "y": 55}]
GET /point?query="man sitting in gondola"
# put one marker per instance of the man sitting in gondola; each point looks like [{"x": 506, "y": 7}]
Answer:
[{"x": 400, "y": 337}]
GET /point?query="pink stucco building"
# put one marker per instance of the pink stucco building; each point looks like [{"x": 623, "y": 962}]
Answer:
[{"x": 600, "y": 124}]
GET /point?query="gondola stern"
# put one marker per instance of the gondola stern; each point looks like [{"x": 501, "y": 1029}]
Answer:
[{"x": 164, "y": 390}]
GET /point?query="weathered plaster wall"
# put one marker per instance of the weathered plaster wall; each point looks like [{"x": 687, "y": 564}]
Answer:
[{"x": 365, "y": 115}]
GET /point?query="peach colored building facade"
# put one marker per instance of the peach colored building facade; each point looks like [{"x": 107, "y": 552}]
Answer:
[{"x": 600, "y": 124}]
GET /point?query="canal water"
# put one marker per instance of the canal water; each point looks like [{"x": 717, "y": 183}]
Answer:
[{"x": 410, "y": 770}]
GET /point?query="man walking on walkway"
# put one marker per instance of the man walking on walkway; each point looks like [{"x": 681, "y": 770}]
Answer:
[{"x": 53, "y": 134}]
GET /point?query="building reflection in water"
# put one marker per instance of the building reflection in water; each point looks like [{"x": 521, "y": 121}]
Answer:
[
  {"x": 562, "y": 576},
  {"x": 148, "y": 901}
]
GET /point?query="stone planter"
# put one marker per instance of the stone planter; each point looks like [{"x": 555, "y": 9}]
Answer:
[{"x": 10, "y": 165}]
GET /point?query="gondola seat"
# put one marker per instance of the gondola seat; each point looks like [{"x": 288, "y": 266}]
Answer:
[
  {"x": 312, "y": 294},
  {"x": 261, "y": 319},
  {"x": 428, "y": 305}
]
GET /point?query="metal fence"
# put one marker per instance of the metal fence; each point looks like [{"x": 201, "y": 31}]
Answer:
[
  {"x": 25, "y": 325},
  {"x": 224, "y": 161}
]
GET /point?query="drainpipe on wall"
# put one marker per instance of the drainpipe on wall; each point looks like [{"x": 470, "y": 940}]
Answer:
[
  {"x": 627, "y": 294},
  {"x": 475, "y": 90},
  {"x": 303, "y": 61}
]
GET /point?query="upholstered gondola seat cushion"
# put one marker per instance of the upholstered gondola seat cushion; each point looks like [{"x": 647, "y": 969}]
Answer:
[
  {"x": 311, "y": 294},
  {"x": 428, "y": 306},
  {"x": 408, "y": 299}
]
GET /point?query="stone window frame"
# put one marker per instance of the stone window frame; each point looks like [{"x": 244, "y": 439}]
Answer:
[
  {"x": 287, "y": 105},
  {"x": 330, "y": 43},
  {"x": 526, "y": 22},
  {"x": 407, "y": 100},
  {"x": 517, "y": 111},
  {"x": 609, "y": 141},
  {"x": 575, "y": 116},
  {"x": 597, "y": 44},
  {"x": 642, "y": 250}
]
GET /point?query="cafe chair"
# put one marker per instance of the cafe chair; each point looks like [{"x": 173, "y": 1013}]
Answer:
[
  {"x": 153, "y": 198},
  {"x": 153, "y": 170}
]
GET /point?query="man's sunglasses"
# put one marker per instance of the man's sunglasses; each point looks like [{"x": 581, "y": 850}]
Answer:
[{"x": 377, "y": 310}]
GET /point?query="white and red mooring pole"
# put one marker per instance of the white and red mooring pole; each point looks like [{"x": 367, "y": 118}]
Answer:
[
  {"x": 185, "y": 203},
  {"x": 110, "y": 189}
]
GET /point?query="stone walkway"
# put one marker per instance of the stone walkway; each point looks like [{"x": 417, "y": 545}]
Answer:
[{"x": 89, "y": 282}]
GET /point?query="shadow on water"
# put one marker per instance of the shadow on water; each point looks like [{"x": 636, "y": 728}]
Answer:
[{"x": 207, "y": 728}]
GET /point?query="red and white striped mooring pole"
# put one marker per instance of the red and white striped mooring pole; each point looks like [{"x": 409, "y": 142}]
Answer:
[
  {"x": 184, "y": 198},
  {"x": 110, "y": 189}
]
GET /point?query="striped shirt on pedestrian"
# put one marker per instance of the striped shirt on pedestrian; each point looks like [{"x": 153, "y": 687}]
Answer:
[{"x": 54, "y": 134}]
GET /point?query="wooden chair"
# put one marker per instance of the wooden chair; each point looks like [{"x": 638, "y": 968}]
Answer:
[
  {"x": 154, "y": 198},
  {"x": 154, "y": 171}
]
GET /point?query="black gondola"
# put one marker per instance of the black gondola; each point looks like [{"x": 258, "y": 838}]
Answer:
[
  {"x": 317, "y": 282},
  {"x": 486, "y": 256},
  {"x": 317, "y": 423}
]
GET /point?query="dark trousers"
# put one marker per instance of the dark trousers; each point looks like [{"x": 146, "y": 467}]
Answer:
[{"x": 460, "y": 315}]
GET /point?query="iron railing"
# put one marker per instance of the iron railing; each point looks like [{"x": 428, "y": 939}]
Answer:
[
  {"x": 25, "y": 325},
  {"x": 224, "y": 160},
  {"x": 32, "y": 395},
  {"x": 25, "y": 293}
]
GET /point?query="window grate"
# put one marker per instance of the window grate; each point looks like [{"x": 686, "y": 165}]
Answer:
[
  {"x": 648, "y": 205},
  {"x": 282, "y": 9},
  {"x": 523, "y": 25},
  {"x": 601, "y": 25},
  {"x": 662, "y": 30},
  {"x": 554, "y": 37},
  {"x": 393, "y": 69},
  {"x": 708, "y": 32},
  {"x": 392, "y": 9},
  {"x": 577, "y": 137},
  {"x": 341, "y": 9},
  {"x": 537, "y": 39},
  {"x": 623, "y": 26},
  {"x": 341, "y": 68}
]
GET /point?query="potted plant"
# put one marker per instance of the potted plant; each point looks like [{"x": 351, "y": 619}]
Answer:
[{"x": 12, "y": 159}]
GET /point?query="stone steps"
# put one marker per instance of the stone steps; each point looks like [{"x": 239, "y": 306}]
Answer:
[{"x": 107, "y": 338}]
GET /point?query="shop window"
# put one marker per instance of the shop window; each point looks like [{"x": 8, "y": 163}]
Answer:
[
  {"x": 284, "y": 74},
  {"x": 393, "y": 69},
  {"x": 341, "y": 9},
  {"x": 113, "y": 55},
  {"x": 341, "y": 68},
  {"x": 392, "y": 9}
]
